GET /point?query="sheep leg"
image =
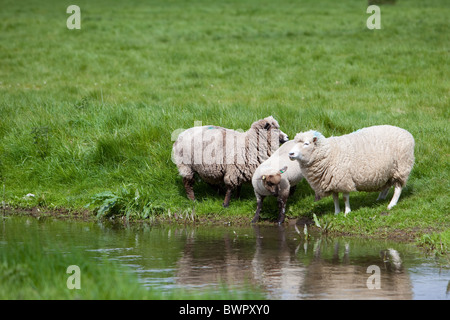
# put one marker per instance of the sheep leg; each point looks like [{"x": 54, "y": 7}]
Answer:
[
  {"x": 226, "y": 202},
  {"x": 337, "y": 209},
  {"x": 383, "y": 193},
  {"x": 346, "y": 196},
  {"x": 397, "y": 192},
  {"x": 259, "y": 202},
  {"x": 189, "y": 186},
  {"x": 281, "y": 209}
]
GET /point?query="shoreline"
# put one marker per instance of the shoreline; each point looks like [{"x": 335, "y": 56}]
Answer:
[{"x": 404, "y": 236}]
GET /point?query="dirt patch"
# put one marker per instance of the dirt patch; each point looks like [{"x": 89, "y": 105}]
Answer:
[
  {"x": 60, "y": 213},
  {"x": 408, "y": 235},
  {"x": 301, "y": 221}
]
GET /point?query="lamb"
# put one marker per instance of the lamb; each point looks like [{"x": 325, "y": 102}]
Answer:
[
  {"x": 369, "y": 159},
  {"x": 277, "y": 176},
  {"x": 220, "y": 155}
]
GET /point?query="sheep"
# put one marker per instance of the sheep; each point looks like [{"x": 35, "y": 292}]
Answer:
[
  {"x": 220, "y": 155},
  {"x": 277, "y": 176},
  {"x": 369, "y": 159}
]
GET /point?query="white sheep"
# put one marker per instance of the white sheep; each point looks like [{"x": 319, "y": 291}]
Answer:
[
  {"x": 369, "y": 159},
  {"x": 276, "y": 176},
  {"x": 219, "y": 155}
]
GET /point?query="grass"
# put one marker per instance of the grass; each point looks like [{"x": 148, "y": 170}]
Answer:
[
  {"x": 436, "y": 243},
  {"x": 89, "y": 115}
]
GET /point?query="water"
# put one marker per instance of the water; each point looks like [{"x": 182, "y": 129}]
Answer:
[{"x": 276, "y": 260}]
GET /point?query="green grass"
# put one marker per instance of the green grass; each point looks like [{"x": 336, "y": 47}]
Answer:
[
  {"x": 436, "y": 243},
  {"x": 91, "y": 112}
]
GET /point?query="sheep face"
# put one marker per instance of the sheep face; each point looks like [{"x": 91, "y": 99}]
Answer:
[
  {"x": 305, "y": 146},
  {"x": 270, "y": 124},
  {"x": 272, "y": 181},
  {"x": 283, "y": 136}
]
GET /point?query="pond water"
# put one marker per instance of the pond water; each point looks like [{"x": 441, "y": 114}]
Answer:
[{"x": 277, "y": 260}]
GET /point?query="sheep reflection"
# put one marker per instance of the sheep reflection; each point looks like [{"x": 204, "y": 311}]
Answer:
[{"x": 287, "y": 267}]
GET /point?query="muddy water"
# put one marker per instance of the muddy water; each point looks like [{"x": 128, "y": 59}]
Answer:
[{"x": 276, "y": 260}]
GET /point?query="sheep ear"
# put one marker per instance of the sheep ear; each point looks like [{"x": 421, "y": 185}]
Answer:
[
  {"x": 283, "y": 170},
  {"x": 267, "y": 126},
  {"x": 316, "y": 136}
]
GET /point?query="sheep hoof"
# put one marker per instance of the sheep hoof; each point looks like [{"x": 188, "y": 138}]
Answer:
[{"x": 225, "y": 205}]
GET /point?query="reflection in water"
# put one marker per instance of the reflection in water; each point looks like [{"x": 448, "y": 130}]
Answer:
[
  {"x": 321, "y": 269},
  {"x": 276, "y": 268},
  {"x": 345, "y": 277},
  {"x": 211, "y": 261},
  {"x": 275, "y": 259}
]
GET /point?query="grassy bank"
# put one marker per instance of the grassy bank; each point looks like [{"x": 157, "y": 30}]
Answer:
[{"x": 87, "y": 116}]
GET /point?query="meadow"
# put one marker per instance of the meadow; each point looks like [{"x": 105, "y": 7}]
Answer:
[{"x": 87, "y": 116}]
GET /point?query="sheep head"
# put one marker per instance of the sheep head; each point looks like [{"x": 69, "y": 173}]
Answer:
[
  {"x": 270, "y": 124},
  {"x": 272, "y": 181},
  {"x": 306, "y": 145}
]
